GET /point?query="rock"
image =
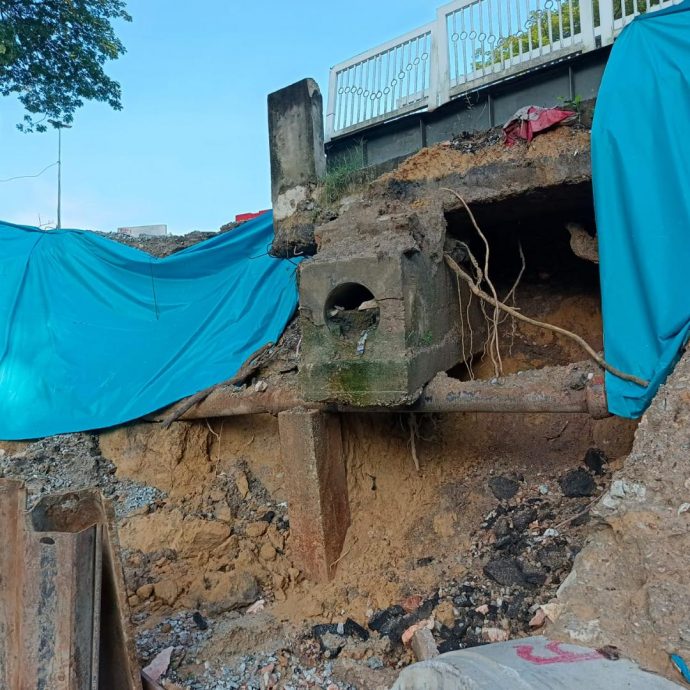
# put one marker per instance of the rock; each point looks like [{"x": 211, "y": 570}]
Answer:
[
  {"x": 144, "y": 592},
  {"x": 383, "y": 621},
  {"x": 538, "y": 620},
  {"x": 242, "y": 484},
  {"x": 276, "y": 538},
  {"x": 199, "y": 621},
  {"x": 444, "y": 614},
  {"x": 267, "y": 552},
  {"x": 577, "y": 483},
  {"x": 523, "y": 518},
  {"x": 229, "y": 591},
  {"x": 223, "y": 513},
  {"x": 596, "y": 460},
  {"x": 552, "y": 611},
  {"x": 167, "y": 591},
  {"x": 256, "y": 529},
  {"x": 133, "y": 601},
  {"x": 411, "y": 603},
  {"x": 423, "y": 645},
  {"x": 533, "y": 575},
  {"x": 483, "y": 609},
  {"x": 543, "y": 489},
  {"x": 505, "y": 571},
  {"x": 331, "y": 644},
  {"x": 623, "y": 489},
  {"x": 503, "y": 488},
  {"x": 501, "y": 527},
  {"x": 188, "y": 535},
  {"x": 495, "y": 635},
  {"x": 553, "y": 557}
]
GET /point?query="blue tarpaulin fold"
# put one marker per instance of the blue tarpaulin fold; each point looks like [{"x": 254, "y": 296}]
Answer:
[
  {"x": 641, "y": 171},
  {"x": 94, "y": 333}
]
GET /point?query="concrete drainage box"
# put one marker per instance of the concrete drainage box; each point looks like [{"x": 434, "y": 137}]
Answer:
[{"x": 380, "y": 310}]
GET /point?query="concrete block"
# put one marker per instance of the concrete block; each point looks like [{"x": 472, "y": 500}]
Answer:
[
  {"x": 298, "y": 161},
  {"x": 316, "y": 483},
  {"x": 380, "y": 356}
]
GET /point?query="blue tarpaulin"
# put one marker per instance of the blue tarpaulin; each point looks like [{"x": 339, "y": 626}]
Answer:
[
  {"x": 94, "y": 333},
  {"x": 641, "y": 172}
]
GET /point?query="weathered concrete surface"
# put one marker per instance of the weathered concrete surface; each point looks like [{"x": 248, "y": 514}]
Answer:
[
  {"x": 555, "y": 163},
  {"x": 393, "y": 254},
  {"x": 318, "y": 505},
  {"x": 630, "y": 586},
  {"x": 298, "y": 161}
]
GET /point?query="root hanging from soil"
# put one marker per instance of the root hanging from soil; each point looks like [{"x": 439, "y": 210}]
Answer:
[
  {"x": 414, "y": 432},
  {"x": 492, "y": 299}
]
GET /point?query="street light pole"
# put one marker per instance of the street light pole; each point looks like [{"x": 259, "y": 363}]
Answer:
[{"x": 59, "y": 189}]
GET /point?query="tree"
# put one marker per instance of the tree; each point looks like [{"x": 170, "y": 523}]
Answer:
[{"x": 52, "y": 54}]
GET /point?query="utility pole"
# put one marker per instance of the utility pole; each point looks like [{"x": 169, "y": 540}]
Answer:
[
  {"x": 59, "y": 126},
  {"x": 59, "y": 191}
]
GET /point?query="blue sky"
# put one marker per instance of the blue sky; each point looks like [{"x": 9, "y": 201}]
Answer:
[{"x": 190, "y": 147}]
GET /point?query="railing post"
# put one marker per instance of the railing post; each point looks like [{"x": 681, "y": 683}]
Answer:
[
  {"x": 587, "y": 22},
  {"x": 439, "y": 87},
  {"x": 606, "y": 22},
  {"x": 330, "y": 108}
]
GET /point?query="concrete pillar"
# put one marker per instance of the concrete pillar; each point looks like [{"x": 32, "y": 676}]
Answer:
[
  {"x": 318, "y": 504},
  {"x": 298, "y": 161}
]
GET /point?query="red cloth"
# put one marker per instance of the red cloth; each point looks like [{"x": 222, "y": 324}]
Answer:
[
  {"x": 531, "y": 120},
  {"x": 243, "y": 217}
]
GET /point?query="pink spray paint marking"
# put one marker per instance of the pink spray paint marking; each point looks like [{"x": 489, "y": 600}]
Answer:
[{"x": 561, "y": 656}]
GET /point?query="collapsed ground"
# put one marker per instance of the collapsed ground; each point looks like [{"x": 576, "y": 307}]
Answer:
[{"x": 476, "y": 541}]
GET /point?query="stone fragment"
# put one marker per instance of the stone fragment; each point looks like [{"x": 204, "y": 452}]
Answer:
[
  {"x": 503, "y": 488},
  {"x": 423, "y": 645},
  {"x": 505, "y": 571},
  {"x": 256, "y": 529},
  {"x": 523, "y": 518},
  {"x": 596, "y": 461},
  {"x": 267, "y": 553},
  {"x": 167, "y": 591},
  {"x": 444, "y": 614},
  {"x": 538, "y": 620},
  {"x": 495, "y": 635},
  {"x": 412, "y": 603},
  {"x": 229, "y": 591},
  {"x": 144, "y": 592},
  {"x": 242, "y": 484},
  {"x": 577, "y": 483}
]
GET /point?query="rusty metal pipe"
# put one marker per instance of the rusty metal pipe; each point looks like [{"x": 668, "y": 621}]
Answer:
[
  {"x": 576, "y": 388},
  {"x": 517, "y": 393}
]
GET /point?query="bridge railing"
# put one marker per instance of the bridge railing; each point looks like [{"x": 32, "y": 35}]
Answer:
[{"x": 470, "y": 44}]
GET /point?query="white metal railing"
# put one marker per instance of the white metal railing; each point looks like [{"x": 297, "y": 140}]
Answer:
[{"x": 471, "y": 43}]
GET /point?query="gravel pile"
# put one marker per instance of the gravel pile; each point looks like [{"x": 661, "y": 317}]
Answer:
[{"x": 70, "y": 462}]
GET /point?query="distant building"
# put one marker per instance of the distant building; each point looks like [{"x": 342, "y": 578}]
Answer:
[{"x": 139, "y": 230}]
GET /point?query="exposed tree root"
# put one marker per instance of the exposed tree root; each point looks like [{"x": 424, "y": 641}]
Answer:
[{"x": 492, "y": 299}]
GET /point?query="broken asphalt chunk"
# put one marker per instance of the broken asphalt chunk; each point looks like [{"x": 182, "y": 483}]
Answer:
[
  {"x": 503, "y": 488},
  {"x": 577, "y": 483}
]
